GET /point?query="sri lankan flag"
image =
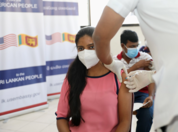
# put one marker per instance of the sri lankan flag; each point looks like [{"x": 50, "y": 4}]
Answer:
[
  {"x": 28, "y": 40},
  {"x": 68, "y": 37}
]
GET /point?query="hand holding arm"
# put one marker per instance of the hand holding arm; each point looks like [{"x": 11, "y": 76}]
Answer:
[{"x": 140, "y": 64}]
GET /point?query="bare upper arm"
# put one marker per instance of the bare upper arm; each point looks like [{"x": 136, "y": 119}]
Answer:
[{"x": 125, "y": 101}]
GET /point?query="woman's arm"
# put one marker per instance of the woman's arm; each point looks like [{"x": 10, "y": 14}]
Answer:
[
  {"x": 63, "y": 125},
  {"x": 63, "y": 109},
  {"x": 124, "y": 107}
]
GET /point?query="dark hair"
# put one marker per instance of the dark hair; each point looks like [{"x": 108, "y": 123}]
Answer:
[
  {"x": 128, "y": 35},
  {"x": 76, "y": 77}
]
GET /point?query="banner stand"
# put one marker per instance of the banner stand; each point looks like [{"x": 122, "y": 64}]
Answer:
[
  {"x": 61, "y": 20},
  {"x": 51, "y": 97},
  {"x": 22, "y": 112},
  {"x": 23, "y": 67}
]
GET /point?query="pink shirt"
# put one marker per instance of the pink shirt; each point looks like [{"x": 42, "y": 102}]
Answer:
[{"x": 99, "y": 102}]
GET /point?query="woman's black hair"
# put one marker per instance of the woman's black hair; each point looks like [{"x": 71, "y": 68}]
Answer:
[{"x": 76, "y": 77}]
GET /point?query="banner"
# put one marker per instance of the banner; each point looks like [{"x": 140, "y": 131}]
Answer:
[
  {"x": 22, "y": 52},
  {"x": 61, "y": 26}
]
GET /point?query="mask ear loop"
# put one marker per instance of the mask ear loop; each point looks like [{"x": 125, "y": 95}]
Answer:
[{"x": 126, "y": 48}]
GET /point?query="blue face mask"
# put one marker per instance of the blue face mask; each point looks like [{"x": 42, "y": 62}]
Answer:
[{"x": 131, "y": 52}]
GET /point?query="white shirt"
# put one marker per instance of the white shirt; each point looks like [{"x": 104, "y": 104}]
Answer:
[
  {"x": 159, "y": 23},
  {"x": 140, "y": 56}
]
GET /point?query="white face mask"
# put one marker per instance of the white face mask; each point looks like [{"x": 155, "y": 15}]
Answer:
[{"x": 88, "y": 58}]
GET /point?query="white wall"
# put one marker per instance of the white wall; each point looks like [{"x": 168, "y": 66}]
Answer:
[
  {"x": 96, "y": 10},
  {"x": 115, "y": 42},
  {"x": 83, "y": 12}
]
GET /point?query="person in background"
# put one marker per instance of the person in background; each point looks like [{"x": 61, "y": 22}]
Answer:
[
  {"x": 145, "y": 48},
  {"x": 135, "y": 60},
  {"x": 89, "y": 100}
]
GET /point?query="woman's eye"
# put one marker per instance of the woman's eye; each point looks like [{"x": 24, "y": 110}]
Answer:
[
  {"x": 80, "y": 49},
  {"x": 91, "y": 47}
]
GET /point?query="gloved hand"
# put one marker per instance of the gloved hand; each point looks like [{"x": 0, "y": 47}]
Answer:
[
  {"x": 139, "y": 79},
  {"x": 116, "y": 66}
]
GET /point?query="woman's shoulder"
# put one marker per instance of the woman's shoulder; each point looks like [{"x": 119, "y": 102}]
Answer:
[
  {"x": 65, "y": 85},
  {"x": 108, "y": 77}
]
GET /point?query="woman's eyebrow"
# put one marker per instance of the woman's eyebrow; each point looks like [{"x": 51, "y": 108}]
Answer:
[
  {"x": 79, "y": 46},
  {"x": 90, "y": 44}
]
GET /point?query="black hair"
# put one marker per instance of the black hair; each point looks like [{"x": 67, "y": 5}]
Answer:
[
  {"x": 128, "y": 35},
  {"x": 76, "y": 77}
]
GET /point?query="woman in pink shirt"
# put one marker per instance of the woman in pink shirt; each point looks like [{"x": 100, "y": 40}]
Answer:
[{"x": 89, "y": 100}]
